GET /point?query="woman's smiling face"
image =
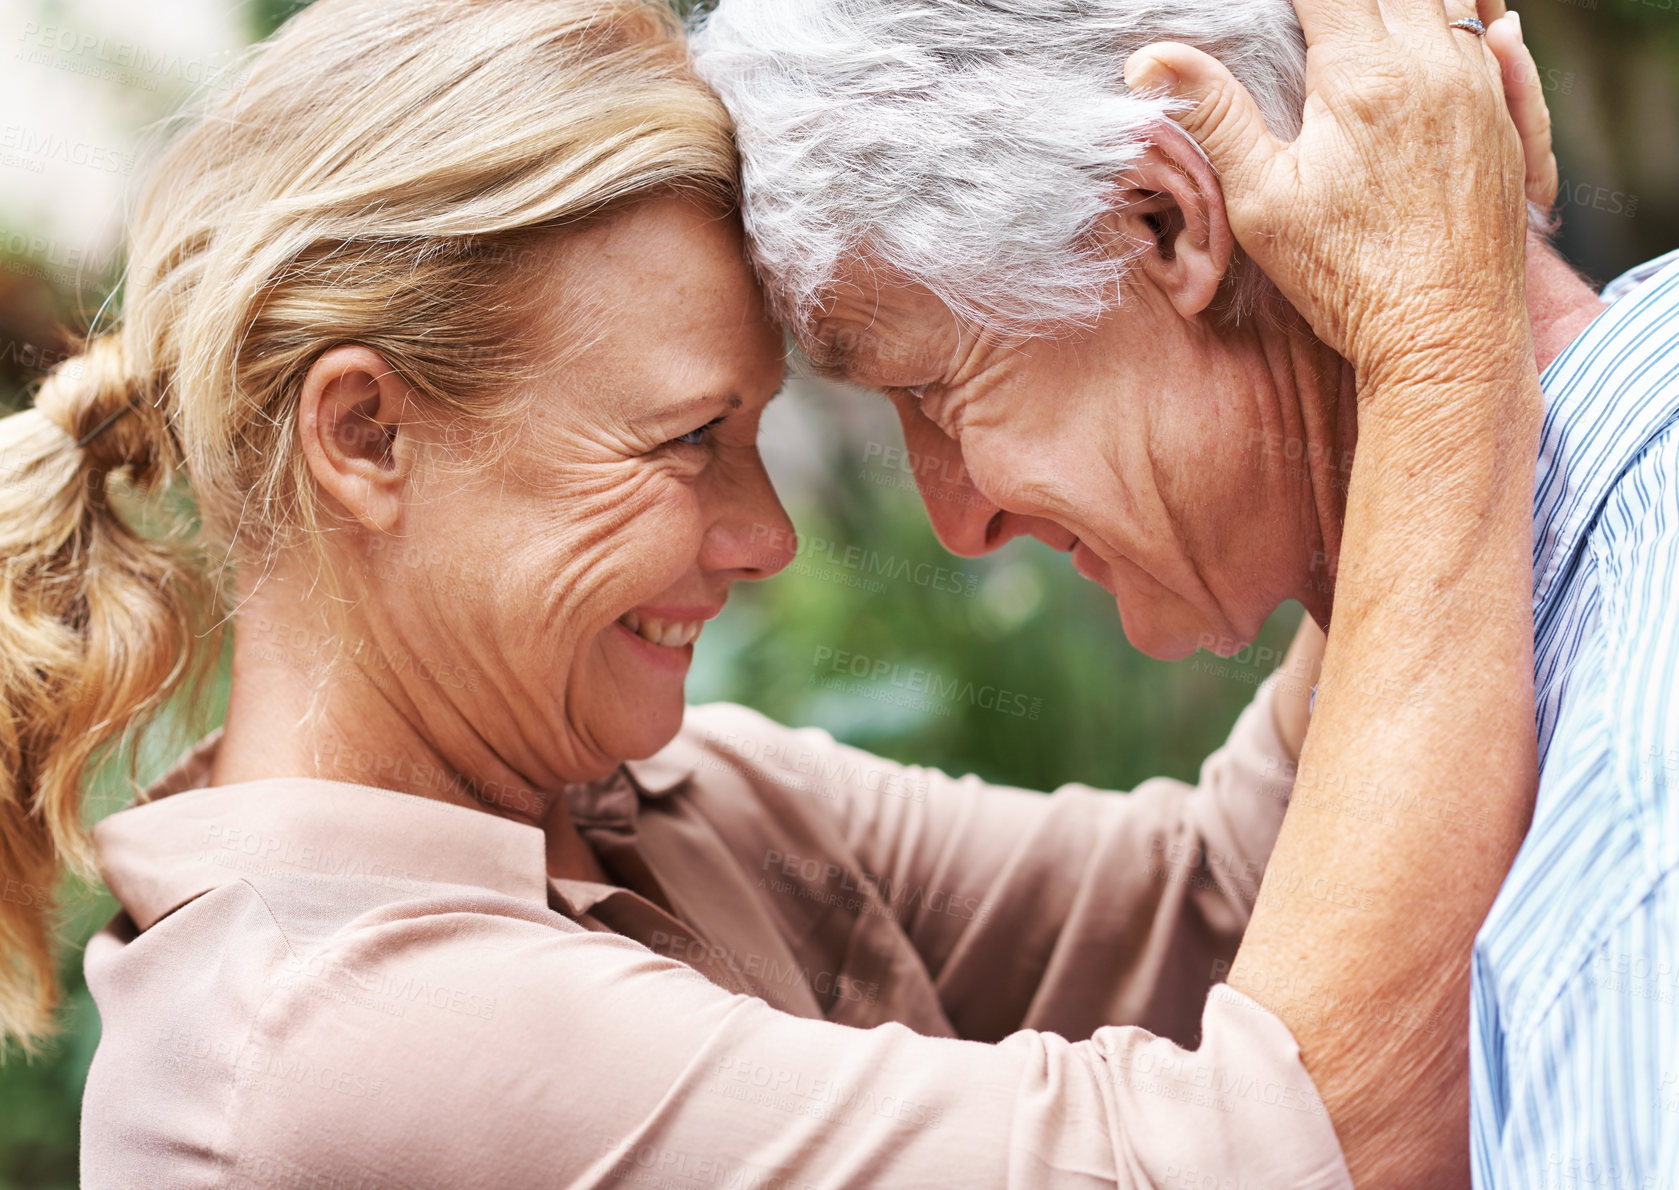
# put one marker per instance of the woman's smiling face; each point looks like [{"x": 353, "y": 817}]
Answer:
[{"x": 587, "y": 553}]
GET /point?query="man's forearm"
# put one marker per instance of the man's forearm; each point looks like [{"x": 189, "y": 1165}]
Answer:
[{"x": 1416, "y": 780}]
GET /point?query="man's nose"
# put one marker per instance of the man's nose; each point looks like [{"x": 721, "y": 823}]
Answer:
[
  {"x": 967, "y": 522},
  {"x": 968, "y": 525}
]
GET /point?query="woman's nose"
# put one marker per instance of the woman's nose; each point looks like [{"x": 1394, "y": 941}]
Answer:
[{"x": 752, "y": 537}]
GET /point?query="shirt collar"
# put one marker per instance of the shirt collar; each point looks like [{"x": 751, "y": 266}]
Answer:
[
  {"x": 1607, "y": 396},
  {"x": 182, "y": 839},
  {"x": 615, "y": 800}
]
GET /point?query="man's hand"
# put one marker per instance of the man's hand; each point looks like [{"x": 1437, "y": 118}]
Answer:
[
  {"x": 1396, "y": 224},
  {"x": 1333, "y": 217}
]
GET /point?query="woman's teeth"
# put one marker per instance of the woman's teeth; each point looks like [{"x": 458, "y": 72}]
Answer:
[{"x": 673, "y": 635}]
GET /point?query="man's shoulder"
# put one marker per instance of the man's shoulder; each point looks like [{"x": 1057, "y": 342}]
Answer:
[
  {"x": 1636, "y": 276},
  {"x": 1612, "y": 399},
  {"x": 1635, "y": 537},
  {"x": 1635, "y": 555}
]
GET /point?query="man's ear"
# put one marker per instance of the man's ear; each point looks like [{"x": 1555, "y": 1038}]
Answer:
[
  {"x": 1173, "y": 206},
  {"x": 356, "y": 423}
]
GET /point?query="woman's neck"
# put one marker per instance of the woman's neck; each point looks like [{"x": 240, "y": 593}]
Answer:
[{"x": 308, "y": 698}]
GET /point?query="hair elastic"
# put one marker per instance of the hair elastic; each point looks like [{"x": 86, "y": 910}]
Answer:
[{"x": 99, "y": 429}]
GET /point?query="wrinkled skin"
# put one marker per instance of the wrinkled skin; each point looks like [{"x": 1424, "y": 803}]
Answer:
[
  {"x": 488, "y": 583},
  {"x": 1204, "y": 469},
  {"x": 1197, "y": 469}
]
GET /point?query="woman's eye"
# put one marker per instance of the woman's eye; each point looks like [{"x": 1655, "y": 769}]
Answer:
[{"x": 696, "y": 437}]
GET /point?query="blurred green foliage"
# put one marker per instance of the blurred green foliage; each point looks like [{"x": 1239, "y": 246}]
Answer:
[{"x": 870, "y": 581}]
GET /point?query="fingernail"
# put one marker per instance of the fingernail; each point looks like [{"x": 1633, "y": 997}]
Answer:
[
  {"x": 1516, "y": 20},
  {"x": 1143, "y": 70}
]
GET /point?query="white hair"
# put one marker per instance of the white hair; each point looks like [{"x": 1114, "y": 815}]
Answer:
[{"x": 972, "y": 146}]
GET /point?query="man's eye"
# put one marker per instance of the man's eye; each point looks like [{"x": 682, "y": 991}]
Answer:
[{"x": 696, "y": 437}]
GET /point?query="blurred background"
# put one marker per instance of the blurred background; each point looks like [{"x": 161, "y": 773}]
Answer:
[{"x": 83, "y": 86}]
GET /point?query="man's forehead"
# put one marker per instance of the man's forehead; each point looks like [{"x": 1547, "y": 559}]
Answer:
[{"x": 886, "y": 349}]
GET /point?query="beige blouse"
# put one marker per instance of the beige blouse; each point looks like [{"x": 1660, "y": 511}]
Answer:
[{"x": 815, "y": 968}]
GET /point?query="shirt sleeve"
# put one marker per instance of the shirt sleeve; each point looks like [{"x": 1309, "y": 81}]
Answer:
[
  {"x": 542, "y": 1054},
  {"x": 1063, "y": 912}
]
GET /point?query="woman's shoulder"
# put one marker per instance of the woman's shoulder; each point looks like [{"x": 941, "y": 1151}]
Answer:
[{"x": 245, "y": 1016}]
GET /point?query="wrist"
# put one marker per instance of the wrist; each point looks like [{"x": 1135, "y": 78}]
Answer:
[
  {"x": 1450, "y": 369},
  {"x": 1451, "y": 416},
  {"x": 1448, "y": 335}
]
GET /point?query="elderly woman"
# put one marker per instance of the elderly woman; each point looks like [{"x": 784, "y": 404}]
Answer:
[
  {"x": 446, "y": 321},
  {"x": 962, "y": 205}
]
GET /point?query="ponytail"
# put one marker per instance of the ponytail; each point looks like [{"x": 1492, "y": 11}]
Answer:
[
  {"x": 97, "y": 630},
  {"x": 383, "y": 175}
]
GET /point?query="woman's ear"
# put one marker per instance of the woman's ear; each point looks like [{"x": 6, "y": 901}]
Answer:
[
  {"x": 1173, "y": 206},
  {"x": 355, "y": 421}
]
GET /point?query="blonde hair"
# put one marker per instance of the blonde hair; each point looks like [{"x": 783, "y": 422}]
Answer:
[{"x": 381, "y": 177}]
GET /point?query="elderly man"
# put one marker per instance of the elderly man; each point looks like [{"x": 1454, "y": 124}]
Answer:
[{"x": 962, "y": 205}]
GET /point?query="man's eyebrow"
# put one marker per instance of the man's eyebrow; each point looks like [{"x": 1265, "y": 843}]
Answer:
[
  {"x": 830, "y": 368},
  {"x": 825, "y": 359}
]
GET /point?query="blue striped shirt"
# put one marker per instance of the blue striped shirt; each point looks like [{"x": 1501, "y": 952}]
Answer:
[{"x": 1574, "y": 1035}]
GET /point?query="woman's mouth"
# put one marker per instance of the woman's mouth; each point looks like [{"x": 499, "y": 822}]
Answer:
[{"x": 669, "y": 634}]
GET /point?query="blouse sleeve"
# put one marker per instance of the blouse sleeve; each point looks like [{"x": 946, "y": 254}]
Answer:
[
  {"x": 1063, "y": 912},
  {"x": 547, "y": 1055}
]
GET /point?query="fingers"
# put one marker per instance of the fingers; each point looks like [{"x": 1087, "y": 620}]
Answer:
[
  {"x": 1524, "y": 94},
  {"x": 1219, "y": 114},
  {"x": 1489, "y": 11}
]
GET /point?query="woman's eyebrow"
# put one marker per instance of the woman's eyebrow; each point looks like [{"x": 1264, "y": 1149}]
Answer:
[{"x": 731, "y": 401}]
